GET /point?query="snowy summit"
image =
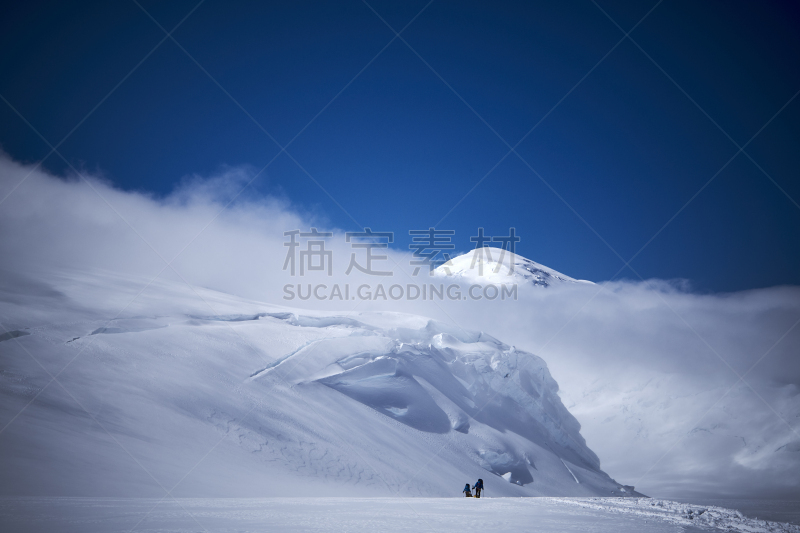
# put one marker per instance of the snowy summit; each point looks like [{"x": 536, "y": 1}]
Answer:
[{"x": 497, "y": 266}]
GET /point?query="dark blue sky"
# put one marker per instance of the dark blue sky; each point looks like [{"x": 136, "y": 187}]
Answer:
[{"x": 398, "y": 149}]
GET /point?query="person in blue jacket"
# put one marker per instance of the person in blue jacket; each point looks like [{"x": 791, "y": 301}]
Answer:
[
  {"x": 478, "y": 488},
  {"x": 466, "y": 491}
]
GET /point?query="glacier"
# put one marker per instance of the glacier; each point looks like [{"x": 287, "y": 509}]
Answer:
[{"x": 198, "y": 393}]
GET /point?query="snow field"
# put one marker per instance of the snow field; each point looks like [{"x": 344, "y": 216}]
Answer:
[{"x": 247, "y": 515}]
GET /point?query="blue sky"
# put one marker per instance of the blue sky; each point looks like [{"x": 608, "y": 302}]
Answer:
[{"x": 627, "y": 131}]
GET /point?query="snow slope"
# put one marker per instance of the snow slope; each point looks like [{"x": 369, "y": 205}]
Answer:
[{"x": 204, "y": 394}]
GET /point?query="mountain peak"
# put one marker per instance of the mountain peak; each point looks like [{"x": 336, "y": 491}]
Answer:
[{"x": 495, "y": 265}]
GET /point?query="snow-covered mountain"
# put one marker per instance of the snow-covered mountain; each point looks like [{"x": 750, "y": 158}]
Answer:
[
  {"x": 498, "y": 266},
  {"x": 206, "y": 394}
]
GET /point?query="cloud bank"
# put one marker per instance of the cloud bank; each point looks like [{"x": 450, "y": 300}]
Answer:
[{"x": 651, "y": 370}]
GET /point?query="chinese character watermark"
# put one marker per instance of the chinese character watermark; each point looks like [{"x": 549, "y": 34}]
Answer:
[
  {"x": 369, "y": 240},
  {"x": 507, "y": 244},
  {"x": 307, "y": 252},
  {"x": 315, "y": 249},
  {"x": 427, "y": 244}
]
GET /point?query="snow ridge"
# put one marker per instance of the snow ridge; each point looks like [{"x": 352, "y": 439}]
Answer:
[{"x": 437, "y": 378}]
